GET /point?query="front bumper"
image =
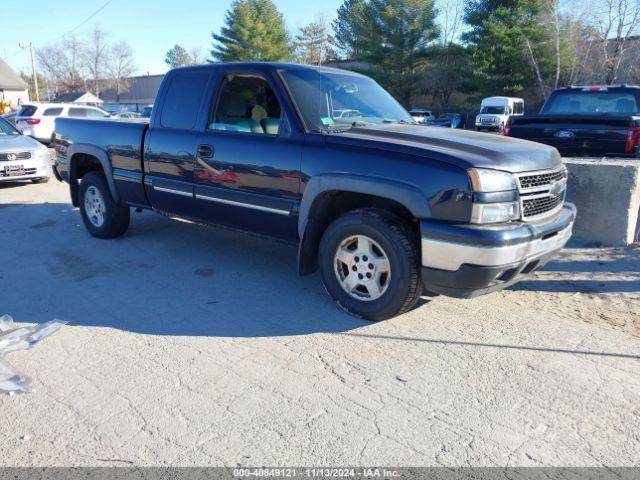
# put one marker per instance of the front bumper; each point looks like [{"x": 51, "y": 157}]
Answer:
[
  {"x": 470, "y": 260},
  {"x": 32, "y": 168}
]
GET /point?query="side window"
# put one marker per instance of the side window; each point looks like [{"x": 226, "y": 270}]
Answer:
[
  {"x": 182, "y": 100},
  {"x": 246, "y": 103},
  {"x": 77, "y": 112},
  {"x": 52, "y": 112}
]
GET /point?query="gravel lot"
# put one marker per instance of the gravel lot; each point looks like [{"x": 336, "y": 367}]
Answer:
[{"x": 192, "y": 345}]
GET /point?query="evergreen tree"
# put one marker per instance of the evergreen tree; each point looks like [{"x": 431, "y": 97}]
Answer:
[
  {"x": 178, "y": 57},
  {"x": 350, "y": 27},
  {"x": 393, "y": 37},
  {"x": 254, "y": 30},
  {"x": 509, "y": 45}
]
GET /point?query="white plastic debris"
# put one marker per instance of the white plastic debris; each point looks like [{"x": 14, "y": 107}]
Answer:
[{"x": 13, "y": 338}]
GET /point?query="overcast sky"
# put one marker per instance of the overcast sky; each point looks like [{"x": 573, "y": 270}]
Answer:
[{"x": 150, "y": 26}]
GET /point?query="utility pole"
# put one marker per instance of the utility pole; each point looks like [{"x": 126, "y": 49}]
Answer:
[
  {"x": 33, "y": 70},
  {"x": 32, "y": 49}
]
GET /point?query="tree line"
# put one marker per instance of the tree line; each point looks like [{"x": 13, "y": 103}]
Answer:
[
  {"x": 91, "y": 62},
  {"x": 447, "y": 52}
]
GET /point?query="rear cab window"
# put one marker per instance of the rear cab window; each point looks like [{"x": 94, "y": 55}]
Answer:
[
  {"x": 592, "y": 102},
  {"x": 183, "y": 100}
]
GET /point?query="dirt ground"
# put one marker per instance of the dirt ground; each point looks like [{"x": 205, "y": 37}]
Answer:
[{"x": 191, "y": 345}]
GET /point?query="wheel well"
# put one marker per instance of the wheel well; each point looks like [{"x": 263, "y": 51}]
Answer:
[
  {"x": 330, "y": 205},
  {"x": 80, "y": 165}
]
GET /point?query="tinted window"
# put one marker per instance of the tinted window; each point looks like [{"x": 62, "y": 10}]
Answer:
[
  {"x": 246, "y": 103},
  {"x": 182, "y": 101},
  {"x": 592, "y": 102},
  {"x": 77, "y": 112},
  {"x": 52, "y": 112},
  {"x": 27, "y": 111}
]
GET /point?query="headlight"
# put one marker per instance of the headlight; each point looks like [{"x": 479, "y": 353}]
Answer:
[
  {"x": 494, "y": 212},
  {"x": 487, "y": 181},
  {"x": 43, "y": 153}
]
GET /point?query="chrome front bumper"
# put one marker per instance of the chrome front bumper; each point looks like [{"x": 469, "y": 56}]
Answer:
[{"x": 466, "y": 261}]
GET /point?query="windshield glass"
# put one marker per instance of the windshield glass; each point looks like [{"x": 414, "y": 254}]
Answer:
[
  {"x": 586, "y": 102},
  {"x": 493, "y": 110},
  {"x": 330, "y": 101},
  {"x": 7, "y": 129}
]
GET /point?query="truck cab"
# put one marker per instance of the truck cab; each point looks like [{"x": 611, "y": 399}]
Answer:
[{"x": 495, "y": 113}]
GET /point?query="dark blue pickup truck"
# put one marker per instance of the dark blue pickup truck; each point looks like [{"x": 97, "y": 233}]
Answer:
[{"x": 381, "y": 206}]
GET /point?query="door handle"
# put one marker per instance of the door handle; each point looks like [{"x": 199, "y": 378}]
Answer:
[{"x": 205, "y": 151}]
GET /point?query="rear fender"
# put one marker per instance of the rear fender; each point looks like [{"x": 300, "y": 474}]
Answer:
[{"x": 101, "y": 156}]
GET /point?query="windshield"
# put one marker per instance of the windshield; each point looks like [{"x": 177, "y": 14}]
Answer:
[
  {"x": 338, "y": 101},
  {"x": 586, "y": 102},
  {"x": 7, "y": 129},
  {"x": 493, "y": 110}
]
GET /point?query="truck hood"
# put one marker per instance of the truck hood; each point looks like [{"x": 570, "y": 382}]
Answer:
[{"x": 462, "y": 148}]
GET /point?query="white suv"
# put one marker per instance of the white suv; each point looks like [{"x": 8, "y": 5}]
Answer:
[{"x": 38, "y": 119}]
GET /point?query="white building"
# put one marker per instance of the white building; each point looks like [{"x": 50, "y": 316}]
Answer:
[{"x": 13, "y": 89}]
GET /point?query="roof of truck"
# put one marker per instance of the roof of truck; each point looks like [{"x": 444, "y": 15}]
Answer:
[{"x": 269, "y": 65}]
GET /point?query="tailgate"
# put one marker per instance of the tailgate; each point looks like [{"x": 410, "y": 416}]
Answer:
[{"x": 584, "y": 136}]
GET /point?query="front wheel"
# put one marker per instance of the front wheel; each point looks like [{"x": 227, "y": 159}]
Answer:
[
  {"x": 369, "y": 264},
  {"x": 101, "y": 215}
]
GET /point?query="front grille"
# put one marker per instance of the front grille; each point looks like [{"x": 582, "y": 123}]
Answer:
[
  {"x": 540, "y": 179},
  {"x": 537, "y": 206},
  {"x": 18, "y": 156},
  {"x": 542, "y": 193}
]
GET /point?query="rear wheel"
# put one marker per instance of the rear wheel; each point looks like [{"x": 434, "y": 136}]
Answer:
[
  {"x": 369, "y": 264},
  {"x": 101, "y": 215}
]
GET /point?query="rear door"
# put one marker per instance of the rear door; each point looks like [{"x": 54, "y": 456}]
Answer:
[
  {"x": 247, "y": 172},
  {"x": 170, "y": 143}
]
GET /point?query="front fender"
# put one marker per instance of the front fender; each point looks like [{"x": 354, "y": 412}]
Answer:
[
  {"x": 407, "y": 195},
  {"x": 101, "y": 156}
]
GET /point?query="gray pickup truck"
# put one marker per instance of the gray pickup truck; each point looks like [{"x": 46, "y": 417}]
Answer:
[{"x": 381, "y": 206}]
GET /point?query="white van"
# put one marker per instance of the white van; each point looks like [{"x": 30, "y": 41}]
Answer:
[{"x": 495, "y": 112}]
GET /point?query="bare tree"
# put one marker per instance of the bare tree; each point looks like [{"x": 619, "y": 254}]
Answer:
[
  {"x": 95, "y": 56},
  {"x": 618, "y": 20},
  {"x": 313, "y": 44},
  {"x": 451, "y": 20},
  {"x": 197, "y": 55},
  {"x": 120, "y": 65}
]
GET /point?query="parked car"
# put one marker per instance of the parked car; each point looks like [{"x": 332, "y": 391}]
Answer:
[
  {"x": 127, "y": 115},
  {"x": 146, "y": 111},
  {"x": 448, "y": 120},
  {"x": 22, "y": 157},
  {"x": 586, "y": 122},
  {"x": 10, "y": 117},
  {"x": 37, "y": 119},
  {"x": 382, "y": 206},
  {"x": 495, "y": 113},
  {"x": 420, "y": 115},
  {"x": 346, "y": 113}
]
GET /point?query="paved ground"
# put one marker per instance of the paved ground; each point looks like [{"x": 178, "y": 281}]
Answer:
[{"x": 190, "y": 345}]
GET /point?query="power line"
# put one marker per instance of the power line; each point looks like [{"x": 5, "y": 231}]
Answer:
[{"x": 81, "y": 24}]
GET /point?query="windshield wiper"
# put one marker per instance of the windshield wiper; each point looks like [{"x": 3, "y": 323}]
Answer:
[{"x": 401, "y": 122}]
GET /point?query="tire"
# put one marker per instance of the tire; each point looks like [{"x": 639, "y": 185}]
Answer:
[
  {"x": 101, "y": 215},
  {"x": 40, "y": 180},
  {"x": 388, "y": 236}
]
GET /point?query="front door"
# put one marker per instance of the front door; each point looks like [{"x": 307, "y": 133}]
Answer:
[{"x": 247, "y": 169}]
